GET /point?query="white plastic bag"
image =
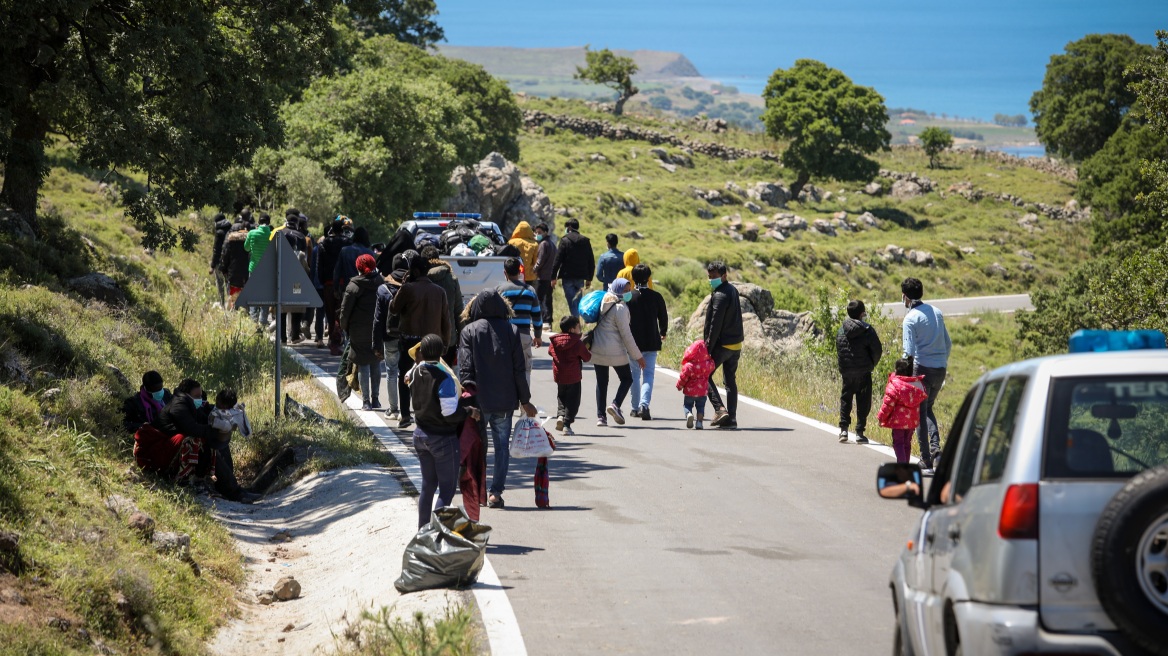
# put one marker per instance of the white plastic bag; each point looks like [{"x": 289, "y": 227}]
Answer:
[{"x": 530, "y": 440}]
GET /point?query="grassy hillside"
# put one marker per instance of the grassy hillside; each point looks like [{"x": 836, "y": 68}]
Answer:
[
  {"x": 562, "y": 62},
  {"x": 82, "y": 578}
]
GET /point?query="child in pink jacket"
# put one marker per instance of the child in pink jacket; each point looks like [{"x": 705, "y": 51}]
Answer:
[
  {"x": 900, "y": 410},
  {"x": 696, "y": 367}
]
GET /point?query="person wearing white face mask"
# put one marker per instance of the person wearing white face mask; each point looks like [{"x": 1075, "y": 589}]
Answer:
[
  {"x": 613, "y": 346},
  {"x": 723, "y": 334}
]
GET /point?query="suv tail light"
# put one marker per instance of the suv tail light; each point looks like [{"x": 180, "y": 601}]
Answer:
[{"x": 1019, "y": 518}]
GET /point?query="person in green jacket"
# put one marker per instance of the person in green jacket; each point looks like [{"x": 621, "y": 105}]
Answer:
[{"x": 256, "y": 244}]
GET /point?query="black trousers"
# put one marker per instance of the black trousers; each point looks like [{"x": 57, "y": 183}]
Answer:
[
  {"x": 727, "y": 360},
  {"x": 568, "y": 400},
  {"x": 544, "y": 292},
  {"x": 858, "y": 385},
  {"x": 624, "y": 375},
  {"x": 294, "y": 320}
]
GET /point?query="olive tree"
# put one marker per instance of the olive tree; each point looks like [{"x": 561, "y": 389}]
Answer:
[
  {"x": 604, "y": 67},
  {"x": 934, "y": 140}
]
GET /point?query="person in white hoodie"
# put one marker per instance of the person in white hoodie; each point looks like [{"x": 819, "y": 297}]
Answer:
[{"x": 613, "y": 346}]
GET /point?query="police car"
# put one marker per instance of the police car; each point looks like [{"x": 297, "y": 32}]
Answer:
[{"x": 1045, "y": 528}]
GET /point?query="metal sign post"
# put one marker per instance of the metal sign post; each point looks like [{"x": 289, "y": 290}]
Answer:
[{"x": 279, "y": 280}]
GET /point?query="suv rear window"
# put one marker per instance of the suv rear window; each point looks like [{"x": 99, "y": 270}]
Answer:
[{"x": 1104, "y": 427}]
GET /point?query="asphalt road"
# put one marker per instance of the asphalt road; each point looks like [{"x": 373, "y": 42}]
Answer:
[
  {"x": 661, "y": 540},
  {"x": 956, "y": 307}
]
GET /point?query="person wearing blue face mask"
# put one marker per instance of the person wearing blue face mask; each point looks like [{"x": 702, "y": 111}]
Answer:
[
  {"x": 613, "y": 346},
  {"x": 145, "y": 406},
  {"x": 723, "y": 334}
]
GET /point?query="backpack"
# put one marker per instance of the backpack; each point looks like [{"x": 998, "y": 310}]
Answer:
[{"x": 590, "y": 306}]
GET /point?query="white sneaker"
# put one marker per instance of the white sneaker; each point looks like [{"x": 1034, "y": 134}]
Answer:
[
  {"x": 601, "y": 421},
  {"x": 616, "y": 414},
  {"x": 689, "y": 420},
  {"x": 559, "y": 423}
]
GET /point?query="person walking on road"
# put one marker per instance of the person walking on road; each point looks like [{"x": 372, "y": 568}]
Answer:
[
  {"x": 222, "y": 229},
  {"x": 573, "y": 265},
  {"x": 256, "y": 244},
  {"x": 442, "y": 275},
  {"x": 357, "y": 309},
  {"x": 528, "y": 317},
  {"x": 610, "y": 262},
  {"x": 632, "y": 258},
  {"x": 694, "y": 380},
  {"x": 234, "y": 261},
  {"x": 523, "y": 239},
  {"x": 346, "y": 265},
  {"x": 568, "y": 357},
  {"x": 545, "y": 282},
  {"x": 490, "y": 364},
  {"x": 858, "y": 351},
  {"x": 422, "y": 306},
  {"x": 613, "y": 347},
  {"x": 330, "y": 252},
  {"x": 927, "y": 342},
  {"x": 649, "y": 321},
  {"x": 723, "y": 334},
  {"x": 387, "y": 334},
  {"x": 440, "y": 413},
  {"x": 900, "y": 409}
]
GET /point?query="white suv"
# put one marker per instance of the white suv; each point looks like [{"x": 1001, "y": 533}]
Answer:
[{"x": 1046, "y": 526}]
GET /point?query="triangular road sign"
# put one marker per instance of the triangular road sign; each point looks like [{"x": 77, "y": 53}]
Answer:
[{"x": 296, "y": 289}]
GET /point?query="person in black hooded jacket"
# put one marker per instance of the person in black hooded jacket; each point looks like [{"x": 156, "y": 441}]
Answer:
[
  {"x": 222, "y": 227},
  {"x": 858, "y": 351},
  {"x": 234, "y": 261}
]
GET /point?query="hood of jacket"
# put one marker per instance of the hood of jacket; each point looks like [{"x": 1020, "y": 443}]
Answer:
[
  {"x": 368, "y": 282},
  {"x": 523, "y": 231},
  {"x": 903, "y": 381},
  {"x": 439, "y": 271},
  {"x": 854, "y": 328},
  {"x": 238, "y": 235},
  {"x": 632, "y": 258},
  {"x": 561, "y": 340},
  {"x": 488, "y": 305},
  {"x": 696, "y": 352},
  {"x": 608, "y": 301}
]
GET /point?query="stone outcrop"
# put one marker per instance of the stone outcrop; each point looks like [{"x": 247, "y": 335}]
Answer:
[
  {"x": 767, "y": 329},
  {"x": 98, "y": 287},
  {"x": 498, "y": 190},
  {"x": 1071, "y": 212}
]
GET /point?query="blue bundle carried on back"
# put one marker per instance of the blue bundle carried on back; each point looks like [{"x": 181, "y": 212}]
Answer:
[{"x": 590, "y": 306}]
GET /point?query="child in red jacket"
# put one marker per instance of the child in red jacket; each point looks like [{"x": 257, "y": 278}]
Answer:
[
  {"x": 696, "y": 367},
  {"x": 568, "y": 355},
  {"x": 900, "y": 410}
]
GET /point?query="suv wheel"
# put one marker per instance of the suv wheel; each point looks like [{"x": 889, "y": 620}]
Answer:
[{"x": 1129, "y": 559}]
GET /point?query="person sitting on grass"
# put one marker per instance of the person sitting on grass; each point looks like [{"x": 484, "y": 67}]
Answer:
[
  {"x": 228, "y": 416},
  {"x": 145, "y": 406},
  {"x": 438, "y": 414}
]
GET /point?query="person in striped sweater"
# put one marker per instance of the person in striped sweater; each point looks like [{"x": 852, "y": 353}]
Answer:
[{"x": 525, "y": 303}]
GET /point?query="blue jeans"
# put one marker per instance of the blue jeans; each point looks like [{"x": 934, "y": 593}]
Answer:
[
  {"x": 370, "y": 377},
  {"x": 928, "y": 434},
  {"x": 700, "y": 401},
  {"x": 391, "y": 373},
  {"x": 573, "y": 290},
  {"x": 439, "y": 457},
  {"x": 499, "y": 423},
  {"x": 642, "y": 390}
]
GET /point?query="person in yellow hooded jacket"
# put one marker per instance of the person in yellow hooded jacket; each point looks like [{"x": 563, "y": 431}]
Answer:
[
  {"x": 632, "y": 259},
  {"x": 524, "y": 239}
]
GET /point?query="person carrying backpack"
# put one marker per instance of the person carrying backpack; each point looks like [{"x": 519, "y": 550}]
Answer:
[{"x": 858, "y": 351}]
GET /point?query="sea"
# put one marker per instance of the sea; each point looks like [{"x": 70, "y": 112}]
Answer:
[{"x": 965, "y": 58}]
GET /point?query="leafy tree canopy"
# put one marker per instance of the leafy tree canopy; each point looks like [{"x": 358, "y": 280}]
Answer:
[
  {"x": 1112, "y": 180},
  {"x": 1085, "y": 94},
  {"x": 830, "y": 122},
  {"x": 408, "y": 21},
  {"x": 604, "y": 67},
  {"x": 934, "y": 140},
  {"x": 1152, "y": 89}
]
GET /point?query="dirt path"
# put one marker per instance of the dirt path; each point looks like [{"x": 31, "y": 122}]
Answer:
[{"x": 348, "y": 530}]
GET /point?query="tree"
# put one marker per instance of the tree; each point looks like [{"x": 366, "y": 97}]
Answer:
[
  {"x": 829, "y": 122},
  {"x": 1085, "y": 94},
  {"x": 408, "y": 21},
  {"x": 177, "y": 89},
  {"x": 1111, "y": 180},
  {"x": 603, "y": 67},
  {"x": 308, "y": 188},
  {"x": 934, "y": 140},
  {"x": 389, "y": 139},
  {"x": 1151, "y": 87}
]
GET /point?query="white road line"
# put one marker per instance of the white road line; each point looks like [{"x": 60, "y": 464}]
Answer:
[{"x": 498, "y": 617}]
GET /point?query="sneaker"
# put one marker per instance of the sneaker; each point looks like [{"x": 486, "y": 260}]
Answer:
[
  {"x": 392, "y": 414},
  {"x": 495, "y": 501},
  {"x": 376, "y": 405},
  {"x": 319, "y": 343},
  {"x": 728, "y": 424},
  {"x": 645, "y": 416},
  {"x": 719, "y": 417},
  {"x": 366, "y": 406},
  {"x": 926, "y": 470},
  {"x": 568, "y": 431},
  {"x": 601, "y": 421},
  {"x": 405, "y": 421},
  {"x": 559, "y": 423},
  {"x": 616, "y": 414},
  {"x": 636, "y": 412},
  {"x": 843, "y": 436},
  {"x": 698, "y": 425},
  {"x": 860, "y": 439},
  {"x": 689, "y": 420}
]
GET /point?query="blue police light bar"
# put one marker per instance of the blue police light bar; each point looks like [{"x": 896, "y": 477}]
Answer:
[
  {"x": 1101, "y": 341},
  {"x": 447, "y": 215}
]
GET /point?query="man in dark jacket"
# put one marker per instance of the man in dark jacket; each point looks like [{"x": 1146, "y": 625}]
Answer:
[
  {"x": 491, "y": 364},
  {"x": 222, "y": 227},
  {"x": 346, "y": 265},
  {"x": 442, "y": 275},
  {"x": 145, "y": 406},
  {"x": 649, "y": 322},
  {"x": 574, "y": 265},
  {"x": 545, "y": 282},
  {"x": 387, "y": 334},
  {"x": 235, "y": 261},
  {"x": 723, "y": 334},
  {"x": 423, "y": 309},
  {"x": 330, "y": 253},
  {"x": 186, "y": 415},
  {"x": 858, "y": 351}
]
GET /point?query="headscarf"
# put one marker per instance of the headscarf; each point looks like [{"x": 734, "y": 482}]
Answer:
[
  {"x": 618, "y": 286},
  {"x": 366, "y": 263}
]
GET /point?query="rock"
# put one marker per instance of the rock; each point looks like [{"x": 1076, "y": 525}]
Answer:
[
  {"x": 1027, "y": 266},
  {"x": 759, "y": 298},
  {"x": 1023, "y": 253},
  {"x": 704, "y": 213},
  {"x": 790, "y": 223},
  {"x": 760, "y": 265},
  {"x": 906, "y": 189},
  {"x": 840, "y": 216},
  {"x": 143, "y": 524},
  {"x": 288, "y": 628},
  {"x": 734, "y": 188},
  {"x": 98, "y": 287},
  {"x": 121, "y": 377},
  {"x": 920, "y": 258},
  {"x": 810, "y": 193},
  {"x": 120, "y": 505},
  {"x": 171, "y": 542},
  {"x": 633, "y": 234},
  {"x": 676, "y": 324},
  {"x": 597, "y": 157},
  {"x": 173, "y": 273},
  {"x": 266, "y": 597},
  {"x": 775, "y": 235},
  {"x": 281, "y": 536},
  {"x": 1072, "y": 205},
  {"x": 13, "y": 597},
  {"x": 868, "y": 219},
  {"x": 891, "y": 253},
  {"x": 823, "y": 227},
  {"x": 753, "y": 207},
  {"x": 773, "y": 194},
  {"x": 996, "y": 269},
  {"x": 660, "y": 153},
  {"x": 750, "y": 231},
  {"x": 827, "y": 195},
  {"x": 495, "y": 188},
  {"x": 287, "y": 588},
  {"x": 968, "y": 250},
  {"x": 733, "y": 220},
  {"x": 51, "y": 393},
  {"x": 14, "y": 224},
  {"x": 1029, "y": 221},
  {"x": 873, "y": 188},
  {"x": 672, "y": 168},
  {"x": 973, "y": 321},
  {"x": 59, "y": 623}
]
